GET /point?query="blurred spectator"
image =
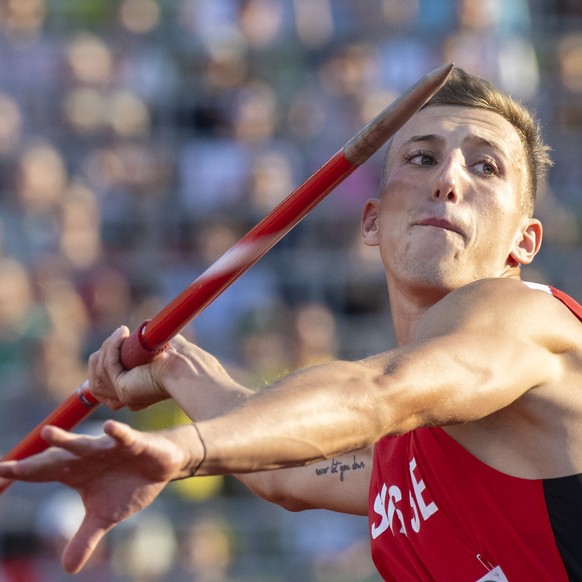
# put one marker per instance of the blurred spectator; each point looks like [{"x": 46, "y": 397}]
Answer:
[
  {"x": 30, "y": 214},
  {"x": 139, "y": 16},
  {"x": 333, "y": 547},
  {"x": 80, "y": 227},
  {"x": 11, "y": 126},
  {"x": 316, "y": 335},
  {"x": 23, "y": 324},
  {"x": 214, "y": 173},
  {"x": 405, "y": 58},
  {"x": 205, "y": 551},
  {"x": 147, "y": 550},
  {"x": 566, "y": 9},
  {"x": 569, "y": 56},
  {"x": 314, "y": 21},
  {"x": 270, "y": 181},
  {"x": 566, "y": 108},
  {"x": 261, "y": 21},
  {"x": 106, "y": 292},
  {"x": 60, "y": 357},
  {"x": 485, "y": 47},
  {"x": 89, "y": 60},
  {"x": 266, "y": 345}
]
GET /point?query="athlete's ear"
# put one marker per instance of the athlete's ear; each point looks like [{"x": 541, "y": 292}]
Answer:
[
  {"x": 528, "y": 243},
  {"x": 369, "y": 225}
]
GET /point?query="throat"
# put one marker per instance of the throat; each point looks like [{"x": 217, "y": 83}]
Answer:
[{"x": 407, "y": 309}]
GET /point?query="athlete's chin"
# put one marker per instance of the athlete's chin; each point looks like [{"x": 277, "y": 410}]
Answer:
[{"x": 437, "y": 276}]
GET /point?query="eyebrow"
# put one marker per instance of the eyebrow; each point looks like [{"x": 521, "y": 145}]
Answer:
[
  {"x": 486, "y": 142},
  {"x": 476, "y": 139},
  {"x": 425, "y": 137}
]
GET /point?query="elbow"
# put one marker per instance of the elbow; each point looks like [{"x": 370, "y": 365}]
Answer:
[
  {"x": 291, "y": 504},
  {"x": 268, "y": 487},
  {"x": 282, "y": 499}
]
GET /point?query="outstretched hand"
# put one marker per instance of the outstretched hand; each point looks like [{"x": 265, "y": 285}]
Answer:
[{"x": 116, "y": 474}]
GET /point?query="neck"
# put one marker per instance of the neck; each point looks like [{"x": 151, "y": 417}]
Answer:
[
  {"x": 408, "y": 306},
  {"x": 409, "y": 302}
]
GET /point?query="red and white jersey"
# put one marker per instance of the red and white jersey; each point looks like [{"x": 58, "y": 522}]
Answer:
[{"x": 438, "y": 513}]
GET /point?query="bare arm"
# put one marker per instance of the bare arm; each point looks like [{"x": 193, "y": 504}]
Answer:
[
  {"x": 442, "y": 378},
  {"x": 332, "y": 409},
  {"x": 203, "y": 389},
  {"x": 327, "y": 411}
]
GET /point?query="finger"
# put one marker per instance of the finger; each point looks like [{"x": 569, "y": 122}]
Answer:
[
  {"x": 7, "y": 469},
  {"x": 5, "y": 483},
  {"x": 91, "y": 365},
  {"x": 95, "y": 380},
  {"x": 111, "y": 353},
  {"x": 123, "y": 382},
  {"x": 96, "y": 358},
  {"x": 111, "y": 344},
  {"x": 83, "y": 544},
  {"x": 46, "y": 466},
  {"x": 80, "y": 445},
  {"x": 179, "y": 342},
  {"x": 105, "y": 368},
  {"x": 113, "y": 404},
  {"x": 121, "y": 432}
]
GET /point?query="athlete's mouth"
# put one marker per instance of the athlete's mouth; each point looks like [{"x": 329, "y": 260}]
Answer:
[{"x": 441, "y": 223}]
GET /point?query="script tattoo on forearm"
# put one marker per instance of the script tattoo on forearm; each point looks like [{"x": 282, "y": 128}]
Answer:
[{"x": 340, "y": 467}]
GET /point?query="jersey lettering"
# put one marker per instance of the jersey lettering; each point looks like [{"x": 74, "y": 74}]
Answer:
[
  {"x": 380, "y": 509},
  {"x": 419, "y": 486},
  {"x": 386, "y": 505},
  {"x": 395, "y": 496}
]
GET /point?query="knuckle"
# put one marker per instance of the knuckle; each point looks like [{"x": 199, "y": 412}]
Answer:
[{"x": 124, "y": 395}]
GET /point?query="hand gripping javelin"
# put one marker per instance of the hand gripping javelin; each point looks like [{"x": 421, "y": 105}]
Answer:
[{"x": 152, "y": 336}]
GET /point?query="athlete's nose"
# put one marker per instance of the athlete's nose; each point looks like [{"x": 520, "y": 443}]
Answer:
[{"x": 449, "y": 181}]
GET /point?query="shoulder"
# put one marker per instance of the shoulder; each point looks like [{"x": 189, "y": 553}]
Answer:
[
  {"x": 501, "y": 294},
  {"x": 505, "y": 306}
]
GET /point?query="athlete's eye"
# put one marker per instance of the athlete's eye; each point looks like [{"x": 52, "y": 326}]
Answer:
[
  {"x": 421, "y": 158},
  {"x": 487, "y": 168}
]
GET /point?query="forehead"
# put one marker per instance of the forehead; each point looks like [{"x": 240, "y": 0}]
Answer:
[{"x": 455, "y": 124}]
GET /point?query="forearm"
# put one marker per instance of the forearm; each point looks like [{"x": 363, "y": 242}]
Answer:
[
  {"x": 312, "y": 415},
  {"x": 459, "y": 369},
  {"x": 337, "y": 484},
  {"x": 202, "y": 396},
  {"x": 332, "y": 409}
]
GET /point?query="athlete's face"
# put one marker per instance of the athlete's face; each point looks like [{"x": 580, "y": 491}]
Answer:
[{"x": 451, "y": 208}]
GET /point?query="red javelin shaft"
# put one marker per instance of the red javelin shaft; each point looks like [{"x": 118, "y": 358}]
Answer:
[{"x": 152, "y": 336}]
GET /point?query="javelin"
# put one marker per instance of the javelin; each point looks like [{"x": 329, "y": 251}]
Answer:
[{"x": 152, "y": 336}]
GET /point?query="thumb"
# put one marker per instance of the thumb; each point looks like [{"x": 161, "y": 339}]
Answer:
[
  {"x": 82, "y": 545},
  {"x": 139, "y": 387}
]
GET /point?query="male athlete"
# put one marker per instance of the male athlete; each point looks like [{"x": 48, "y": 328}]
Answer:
[{"x": 462, "y": 445}]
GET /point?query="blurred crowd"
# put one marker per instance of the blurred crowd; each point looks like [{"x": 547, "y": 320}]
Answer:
[{"x": 140, "y": 139}]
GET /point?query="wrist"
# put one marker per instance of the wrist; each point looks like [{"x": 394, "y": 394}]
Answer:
[
  {"x": 188, "y": 440},
  {"x": 195, "y": 467}
]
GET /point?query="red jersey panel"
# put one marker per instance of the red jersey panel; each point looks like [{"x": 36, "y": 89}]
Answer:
[{"x": 438, "y": 513}]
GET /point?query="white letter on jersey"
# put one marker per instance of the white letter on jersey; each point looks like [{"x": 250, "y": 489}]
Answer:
[
  {"x": 395, "y": 496},
  {"x": 380, "y": 509},
  {"x": 425, "y": 510}
]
